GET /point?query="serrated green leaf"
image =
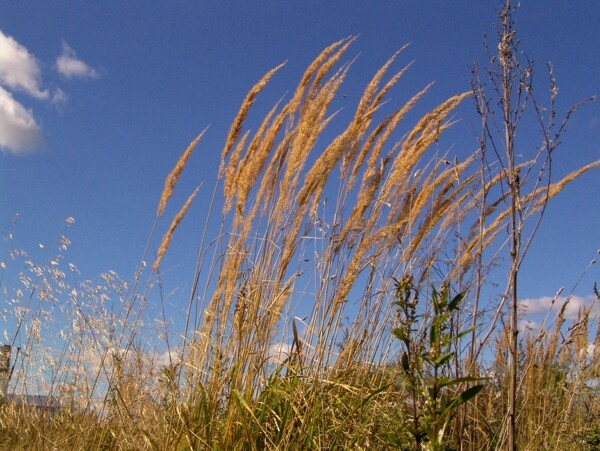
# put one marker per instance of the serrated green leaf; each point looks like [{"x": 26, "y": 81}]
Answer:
[
  {"x": 401, "y": 335},
  {"x": 405, "y": 363},
  {"x": 433, "y": 334},
  {"x": 463, "y": 398},
  {"x": 445, "y": 382},
  {"x": 455, "y": 302},
  {"x": 435, "y": 300},
  {"x": 428, "y": 359},
  {"x": 443, "y": 359},
  {"x": 463, "y": 333},
  {"x": 471, "y": 392}
]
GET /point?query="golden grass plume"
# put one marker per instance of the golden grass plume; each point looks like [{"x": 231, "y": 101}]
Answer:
[
  {"x": 166, "y": 241},
  {"x": 174, "y": 175}
]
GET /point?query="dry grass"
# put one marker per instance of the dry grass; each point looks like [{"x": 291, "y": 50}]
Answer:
[
  {"x": 174, "y": 175},
  {"x": 292, "y": 346},
  {"x": 166, "y": 241}
]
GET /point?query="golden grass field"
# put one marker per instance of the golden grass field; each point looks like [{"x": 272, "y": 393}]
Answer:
[{"x": 358, "y": 228}]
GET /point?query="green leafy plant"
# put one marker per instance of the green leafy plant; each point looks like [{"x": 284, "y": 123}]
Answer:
[{"x": 429, "y": 342}]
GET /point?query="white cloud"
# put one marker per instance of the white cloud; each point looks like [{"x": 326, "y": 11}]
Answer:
[
  {"x": 545, "y": 304},
  {"x": 19, "y": 69},
  {"x": 279, "y": 352},
  {"x": 528, "y": 326},
  {"x": 69, "y": 66},
  {"x": 167, "y": 358},
  {"x": 589, "y": 352},
  {"x": 19, "y": 131}
]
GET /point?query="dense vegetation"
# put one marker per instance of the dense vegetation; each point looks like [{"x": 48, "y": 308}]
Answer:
[{"x": 398, "y": 349}]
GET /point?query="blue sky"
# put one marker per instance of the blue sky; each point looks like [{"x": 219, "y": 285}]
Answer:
[{"x": 99, "y": 99}]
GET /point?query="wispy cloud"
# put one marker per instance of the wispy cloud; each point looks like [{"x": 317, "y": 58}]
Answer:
[
  {"x": 59, "y": 97},
  {"x": 19, "y": 131},
  {"x": 19, "y": 70},
  {"x": 548, "y": 304},
  {"x": 69, "y": 66}
]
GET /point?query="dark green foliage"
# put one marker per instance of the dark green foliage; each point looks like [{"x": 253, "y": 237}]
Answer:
[{"x": 429, "y": 344}]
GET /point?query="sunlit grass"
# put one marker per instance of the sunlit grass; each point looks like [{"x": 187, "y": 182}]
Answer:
[{"x": 294, "y": 345}]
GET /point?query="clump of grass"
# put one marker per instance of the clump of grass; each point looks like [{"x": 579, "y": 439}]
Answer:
[
  {"x": 557, "y": 393},
  {"x": 290, "y": 341}
]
